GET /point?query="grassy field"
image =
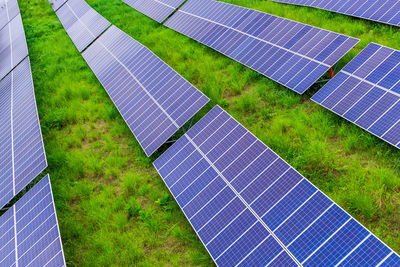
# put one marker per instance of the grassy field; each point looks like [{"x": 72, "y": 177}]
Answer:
[{"x": 114, "y": 209}]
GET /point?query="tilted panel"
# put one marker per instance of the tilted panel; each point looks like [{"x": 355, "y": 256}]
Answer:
[
  {"x": 8, "y": 10},
  {"x": 367, "y": 92},
  {"x": 291, "y": 53},
  {"x": 158, "y": 10},
  {"x": 22, "y": 155},
  {"x": 250, "y": 208},
  {"x": 29, "y": 234},
  {"x": 82, "y": 23},
  {"x": 384, "y": 11},
  {"x": 153, "y": 99},
  {"x": 13, "y": 46}
]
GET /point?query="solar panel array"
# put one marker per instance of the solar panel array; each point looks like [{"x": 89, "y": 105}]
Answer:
[
  {"x": 82, "y": 23},
  {"x": 153, "y": 99},
  {"x": 250, "y": 208},
  {"x": 29, "y": 234},
  {"x": 22, "y": 155},
  {"x": 158, "y": 10},
  {"x": 8, "y": 10},
  {"x": 13, "y": 46},
  {"x": 291, "y": 53},
  {"x": 367, "y": 92},
  {"x": 384, "y": 11}
]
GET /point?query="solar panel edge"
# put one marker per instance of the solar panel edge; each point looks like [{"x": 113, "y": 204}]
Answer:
[
  {"x": 55, "y": 213},
  {"x": 290, "y": 167},
  {"x": 342, "y": 13},
  {"x": 37, "y": 113},
  {"x": 159, "y": 20}
]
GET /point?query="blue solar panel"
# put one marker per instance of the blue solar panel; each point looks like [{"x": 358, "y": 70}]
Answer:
[
  {"x": 384, "y": 11},
  {"x": 82, "y": 23},
  {"x": 29, "y": 234},
  {"x": 153, "y": 99},
  {"x": 250, "y": 208},
  {"x": 56, "y": 4},
  {"x": 13, "y": 46},
  {"x": 158, "y": 10},
  {"x": 367, "y": 92},
  {"x": 22, "y": 155},
  {"x": 291, "y": 53},
  {"x": 8, "y": 10}
]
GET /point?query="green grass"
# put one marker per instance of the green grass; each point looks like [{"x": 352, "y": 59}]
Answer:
[{"x": 114, "y": 209}]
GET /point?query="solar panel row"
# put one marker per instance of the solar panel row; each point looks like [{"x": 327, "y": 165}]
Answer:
[
  {"x": 293, "y": 54},
  {"x": 8, "y": 10},
  {"x": 22, "y": 155},
  {"x": 367, "y": 92},
  {"x": 158, "y": 10},
  {"x": 29, "y": 234},
  {"x": 153, "y": 99},
  {"x": 384, "y": 11},
  {"x": 13, "y": 46},
  {"x": 250, "y": 208},
  {"x": 82, "y": 23}
]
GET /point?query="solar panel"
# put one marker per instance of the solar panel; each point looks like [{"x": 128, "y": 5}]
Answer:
[
  {"x": 56, "y": 4},
  {"x": 82, "y": 23},
  {"x": 158, "y": 10},
  {"x": 13, "y": 46},
  {"x": 153, "y": 99},
  {"x": 367, "y": 92},
  {"x": 384, "y": 11},
  {"x": 250, "y": 208},
  {"x": 22, "y": 155},
  {"x": 29, "y": 234},
  {"x": 8, "y": 10},
  {"x": 291, "y": 53}
]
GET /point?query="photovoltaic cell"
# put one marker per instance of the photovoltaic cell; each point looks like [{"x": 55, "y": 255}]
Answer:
[
  {"x": 8, "y": 10},
  {"x": 367, "y": 92},
  {"x": 22, "y": 155},
  {"x": 250, "y": 208},
  {"x": 158, "y": 10},
  {"x": 293, "y": 54},
  {"x": 29, "y": 234},
  {"x": 384, "y": 11},
  {"x": 13, "y": 46},
  {"x": 153, "y": 99},
  {"x": 56, "y": 4},
  {"x": 82, "y": 23}
]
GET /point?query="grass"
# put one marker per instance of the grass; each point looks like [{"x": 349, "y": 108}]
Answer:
[{"x": 114, "y": 209}]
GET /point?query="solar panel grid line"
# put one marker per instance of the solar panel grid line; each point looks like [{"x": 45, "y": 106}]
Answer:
[
  {"x": 57, "y": 4},
  {"x": 311, "y": 224},
  {"x": 163, "y": 163},
  {"x": 385, "y": 258},
  {"x": 326, "y": 241},
  {"x": 9, "y": 7},
  {"x": 377, "y": 6},
  {"x": 354, "y": 249},
  {"x": 15, "y": 237},
  {"x": 294, "y": 212}
]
